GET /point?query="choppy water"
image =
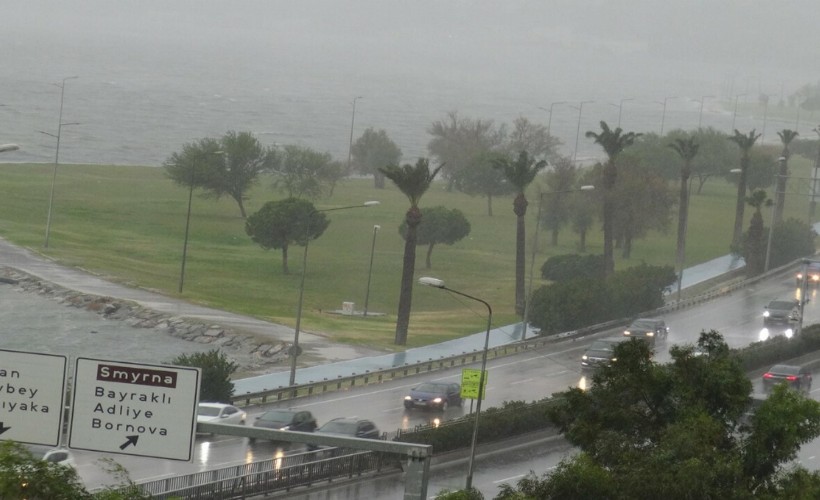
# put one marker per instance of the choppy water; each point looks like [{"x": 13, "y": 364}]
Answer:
[{"x": 153, "y": 75}]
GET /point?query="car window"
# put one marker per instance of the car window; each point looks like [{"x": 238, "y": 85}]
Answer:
[
  {"x": 208, "y": 411},
  {"x": 278, "y": 416},
  {"x": 339, "y": 427},
  {"x": 430, "y": 387},
  {"x": 230, "y": 410}
]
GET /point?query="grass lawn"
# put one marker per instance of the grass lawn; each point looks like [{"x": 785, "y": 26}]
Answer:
[{"x": 127, "y": 223}]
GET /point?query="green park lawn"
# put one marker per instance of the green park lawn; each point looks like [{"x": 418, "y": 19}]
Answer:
[{"x": 127, "y": 223}]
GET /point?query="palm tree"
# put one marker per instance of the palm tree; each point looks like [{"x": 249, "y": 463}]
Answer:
[
  {"x": 613, "y": 142},
  {"x": 754, "y": 248},
  {"x": 687, "y": 149},
  {"x": 786, "y": 137},
  {"x": 520, "y": 174},
  {"x": 413, "y": 181},
  {"x": 745, "y": 143}
]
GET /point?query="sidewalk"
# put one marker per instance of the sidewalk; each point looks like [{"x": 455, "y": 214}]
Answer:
[{"x": 329, "y": 360}]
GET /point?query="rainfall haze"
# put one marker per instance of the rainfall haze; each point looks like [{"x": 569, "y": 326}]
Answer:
[{"x": 153, "y": 75}]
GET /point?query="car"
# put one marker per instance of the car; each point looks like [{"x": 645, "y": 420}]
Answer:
[
  {"x": 350, "y": 427},
  {"x": 599, "y": 353},
  {"x": 220, "y": 413},
  {"x": 781, "y": 312},
  {"x": 648, "y": 329},
  {"x": 797, "y": 377},
  {"x": 812, "y": 274},
  {"x": 286, "y": 420},
  {"x": 62, "y": 456},
  {"x": 434, "y": 395}
]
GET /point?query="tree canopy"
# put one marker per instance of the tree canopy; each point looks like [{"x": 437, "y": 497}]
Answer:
[
  {"x": 216, "y": 385},
  {"x": 373, "y": 150},
  {"x": 439, "y": 224},
  {"x": 306, "y": 173}
]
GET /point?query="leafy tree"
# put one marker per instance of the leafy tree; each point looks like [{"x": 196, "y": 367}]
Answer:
[
  {"x": 560, "y": 179},
  {"x": 687, "y": 149},
  {"x": 533, "y": 138},
  {"x": 243, "y": 160},
  {"x": 761, "y": 173},
  {"x": 24, "y": 476},
  {"x": 520, "y": 174},
  {"x": 216, "y": 385},
  {"x": 413, "y": 181},
  {"x": 196, "y": 165},
  {"x": 755, "y": 239},
  {"x": 306, "y": 173},
  {"x": 613, "y": 143},
  {"x": 745, "y": 143},
  {"x": 786, "y": 137},
  {"x": 457, "y": 142},
  {"x": 791, "y": 239},
  {"x": 279, "y": 224},
  {"x": 374, "y": 149},
  {"x": 483, "y": 179},
  {"x": 677, "y": 430},
  {"x": 438, "y": 225}
]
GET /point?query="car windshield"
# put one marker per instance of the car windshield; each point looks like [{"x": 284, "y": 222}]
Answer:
[
  {"x": 278, "y": 416},
  {"x": 785, "y": 370},
  {"x": 338, "y": 427},
  {"x": 430, "y": 387},
  {"x": 643, "y": 324},
  {"x": 208, "y": 411},
  {"x": 600, "y": 345},
  {"x": 780, "y": 304}
]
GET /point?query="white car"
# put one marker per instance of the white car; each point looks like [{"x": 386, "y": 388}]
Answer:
[
  {"x": 219, "y": 413},
  {"x": 60, "y": 456}
]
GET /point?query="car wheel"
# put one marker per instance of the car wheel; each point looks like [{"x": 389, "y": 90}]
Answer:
[
  {"x": 460, "y": 402},
  {"x": 408, "y": 406},
  {"x": 444, "y": 406},
  {"x": 251, "y": 440}
]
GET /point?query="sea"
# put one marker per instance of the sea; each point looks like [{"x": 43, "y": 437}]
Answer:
[{"x": 130, "y": 82}]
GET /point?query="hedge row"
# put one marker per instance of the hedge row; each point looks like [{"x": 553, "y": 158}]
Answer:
[{"x": 514, "y": 418}]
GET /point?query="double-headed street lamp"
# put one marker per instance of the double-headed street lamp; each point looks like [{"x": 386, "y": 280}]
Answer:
[
  {"x": 60, "y": 126},
  {"x": 352, "y": 121},
  {"x": 437, "y": 283},
  {"x": 663, "y": 115},
  {"x": 700, "y": 113},
  {"x": 524, "y": 319},
  {"x": 580, "y": 109},
  {"x": 734, "y": 115},
  {"x": 549, "y": 120},
  {"x": 620, "y": 107},
  {"x": 294, "y": 350}
]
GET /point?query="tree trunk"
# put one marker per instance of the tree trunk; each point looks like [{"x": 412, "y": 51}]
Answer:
[
  {"x": 520, "y": 209},
  {"x": 428, "y": 260},
  {"x": 582, "y": 243},
  {"x": 554, "y": 240},
  {"x": 780, "y": 193},
  {"x": 285, "y": 260},
  {"x": 627, "y": 250},
  {"x": 683, "y": 213},
  {"x": 609, "y": 183},
  {"x": 413, "y": 219},
  {"x": 241, "y": 206},
  {"x": 378, "y": 180},
  {"x": 489, "y": 205}
]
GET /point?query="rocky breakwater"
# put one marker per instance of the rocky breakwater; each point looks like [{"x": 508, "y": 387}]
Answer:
[{"x": 249, "y": 353}]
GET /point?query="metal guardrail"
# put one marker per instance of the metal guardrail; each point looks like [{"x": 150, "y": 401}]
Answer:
[
  {"x": 270, "y": 476},
  {"x": 468, "y": 358}
]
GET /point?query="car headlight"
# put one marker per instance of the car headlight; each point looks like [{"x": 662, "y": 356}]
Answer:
[
  {"x": 584, "y": 357},
  {"x": 800, "y": 276},
  {"x": 614, "y": 359},
  {"x": 650, "y": 334},
  {"x": 765, "y": 314},
  {"x": 407, "y": 398},
  {"x": 627, "y": 332},
  {"x": 437, "y": 400},
  {"x": 816, "y": 277},
  {"x": 284, "y": 428}
]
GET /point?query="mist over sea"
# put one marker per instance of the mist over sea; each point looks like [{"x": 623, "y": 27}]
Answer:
[{"x": 153, "y": 75}]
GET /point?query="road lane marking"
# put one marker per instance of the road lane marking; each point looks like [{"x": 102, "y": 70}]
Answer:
[{"x": 522, "y": 381}]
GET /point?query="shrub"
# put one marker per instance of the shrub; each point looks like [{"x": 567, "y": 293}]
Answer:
[
  {"x": 573, "y": 266},
  {"x": 216, "y": 385}
]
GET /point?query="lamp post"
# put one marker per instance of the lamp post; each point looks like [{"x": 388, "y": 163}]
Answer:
[
  {"x": 8, "y": 147},
  {"x": 191, "y": 182},
  {"x": 700, "y": 113},
  {"x": 376, "y": 228},
  {"x": 549, "y": 121},
  {"x": 663, "y": 115},
  {"x": 535, "y": 250},
  {"x": 621, "y": 107},
  {"x": 60, "y": 126},
  {"x": 765, "y": 112},
  {"x": 814, "y": 192},
  {"x": 294, "y": 350},
  {"x": 777, "y": 195},
  {"x": 580, "y": 109},
  {"x": 352, "y": 121},
  {"x": 734, "y": 115},
  {"x": 437, "y": 283}
]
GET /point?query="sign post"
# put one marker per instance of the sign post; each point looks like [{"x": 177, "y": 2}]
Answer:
[
  {"x": 134, "y": 409},
  {"x": 32, "y": 397}
]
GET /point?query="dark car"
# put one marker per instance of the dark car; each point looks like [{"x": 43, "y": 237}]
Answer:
[
  {"x": 351, "y": 427},
  {"x": 781, "y": 312},
  {"x": 435, "y": 395},
  {"x": 812, "y": 274},
  {"x": 797, "y": 377},
  {"x": 599, "y": 353},
  {"x": 286, "y": 420},
  {"x": 648, "y": 329}
]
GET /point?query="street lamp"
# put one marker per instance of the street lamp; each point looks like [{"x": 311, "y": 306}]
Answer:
[
  {"x": 376, "y": 228},
  {"x": 60, "y": 126},
  {"x": 777, "y": 195},
  {"x": 663, "y": 115},
  {"x": 700, "y": 113},
  {"x": 580, "y": 109},
  {"x": 621, "y": 107},
  {"x": 437, "y": 283},
  {"x": 814, "y": 189},
  {"x": 294, "y": 350},
  {"x": 765, "y": 112},
  {"x": 352, "y": 121},
  {"x": 734, "y": 116},
  {"x": 549, "y": 121},
  {"x": 191, "y": 182},
  {"x": 8, "y": 147},
  {"x": 524, "y": 319}
]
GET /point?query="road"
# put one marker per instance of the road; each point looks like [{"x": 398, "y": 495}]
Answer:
[{"x": 528, "y": 376}]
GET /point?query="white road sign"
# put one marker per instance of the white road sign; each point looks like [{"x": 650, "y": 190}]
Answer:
[
  {"x": 32, "y": 397},
  {"x": 134, "y": 409}
]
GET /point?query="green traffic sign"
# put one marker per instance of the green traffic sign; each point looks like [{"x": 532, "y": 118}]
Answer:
[{"x": 470, "y": 380}]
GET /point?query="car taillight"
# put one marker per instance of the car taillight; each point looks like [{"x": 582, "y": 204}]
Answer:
[
  {"x": 791, "y": 378},
  {"x": 767, "y": 375}
]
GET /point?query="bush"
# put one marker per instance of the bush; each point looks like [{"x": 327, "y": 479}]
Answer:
[
  {"x": 216, "y": 385},
  {"x": 791, "y": 240},
  {"x": 573, "y": 266}
]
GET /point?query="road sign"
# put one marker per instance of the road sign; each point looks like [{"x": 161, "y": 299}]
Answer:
[
  {"x": 470, "y": 378},
  {"x": 32, "y": 397},
  {"x": 134, "y": 409}
]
